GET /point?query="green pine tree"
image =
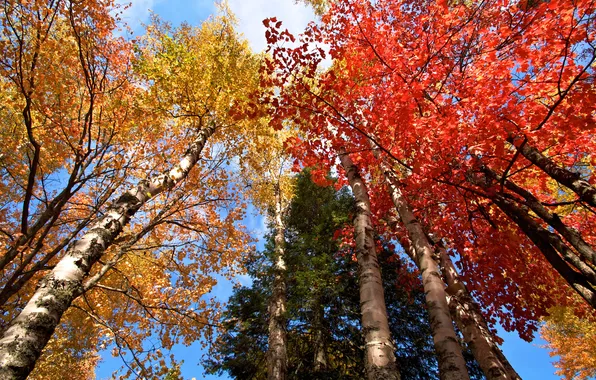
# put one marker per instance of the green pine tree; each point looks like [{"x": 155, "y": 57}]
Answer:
[{"x": 324, "y": 337}]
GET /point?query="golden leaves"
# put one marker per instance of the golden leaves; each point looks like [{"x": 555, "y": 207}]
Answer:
[
  {"x": 573, "y": 340},
  {"x": 107, "y": 129},
  {"x": 266, "y": 166}
]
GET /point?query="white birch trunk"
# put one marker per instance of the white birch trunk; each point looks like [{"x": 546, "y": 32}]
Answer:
[
  {"x": 24, "y": 339},
  {"x": 473, "y": 326},
  {"x": 379, "y": 350},
  {"x": 452, "y": 365},
  {"x": 277, "y": 356}
]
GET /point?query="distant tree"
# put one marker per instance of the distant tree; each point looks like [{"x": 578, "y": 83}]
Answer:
[{"x": 318, "y": 6}]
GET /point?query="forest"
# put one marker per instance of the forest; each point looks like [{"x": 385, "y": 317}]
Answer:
[{"x": 423, "y": 169}]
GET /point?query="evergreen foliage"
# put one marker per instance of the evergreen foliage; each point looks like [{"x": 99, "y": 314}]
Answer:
[{"x": 322, "y": 281}]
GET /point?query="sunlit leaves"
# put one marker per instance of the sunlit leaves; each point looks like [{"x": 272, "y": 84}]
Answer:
[
  {"x": 573, "y": 340},
  {"x": 438, "y": 88},
  {"x": 74, "y": 105}
]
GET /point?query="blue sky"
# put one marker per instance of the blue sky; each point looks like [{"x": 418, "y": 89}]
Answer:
[{"x": 531, "y": 361}]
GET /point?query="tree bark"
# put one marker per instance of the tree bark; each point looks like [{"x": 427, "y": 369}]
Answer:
[
  {"x": 379, "y": 347},
  {"x": 572, "y": 236},
  {"x": 472, "y": 324},
  {"x": 452, "y": 365},
  {"x": 277, "y": 356},
  {"x": 320, "y": 357},
  {"x": 549, "y": 244},
  {"x": 567, "y": 178},
  {"x": 26, "y": 336}
]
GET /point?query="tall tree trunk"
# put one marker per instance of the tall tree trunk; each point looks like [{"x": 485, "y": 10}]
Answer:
[
  {"x": 452, "y": 365},
  {"x": 567, "y": 178},
  {"x": 277, "y": 356},
  {"x": 571, "y": 235},
  {"x": 24, "y": 339},
  {"x": 379, "y": 348},
  {"x": 550, "y": 246},
  {"x": 472, "y": 324},
  {"x": 320, "y": 358}
]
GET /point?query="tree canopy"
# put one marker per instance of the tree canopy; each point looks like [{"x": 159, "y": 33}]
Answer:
[{"x": 459, "y": 136}]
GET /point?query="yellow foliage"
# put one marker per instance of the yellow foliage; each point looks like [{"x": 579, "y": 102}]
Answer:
[
  {"x": 319, "y": 6},
  {"x": 266, "y": 166},
  {"x": 573, "y": 339},
  {"x": 168, "y": 257},
  {"x": 198, "y": 76},
  {"x": 71, "y": 354}
]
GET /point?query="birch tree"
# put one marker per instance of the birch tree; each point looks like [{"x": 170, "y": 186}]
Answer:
[
  {"x": 380, "y": 359},
  {"x": 204, "y": 116},
  {"x": 267, "y": 170}
]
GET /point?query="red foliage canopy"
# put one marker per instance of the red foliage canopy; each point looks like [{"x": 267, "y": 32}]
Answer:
[{"x": 442, "y": 90}]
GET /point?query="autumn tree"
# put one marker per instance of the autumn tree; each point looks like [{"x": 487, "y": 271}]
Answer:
[
  {"x": 266, "y": 170},
  {"x": 68, "y": 105},
  {"x": 64, "y": 130},
  {"x": 453, "y": 68},
  {"x": 572, "y": 339},
  {"x": 408, "y": 77},
  {"x": 450, "y": 355},
  {"x": 192, "y": 120},
  {"x": 485, "y": 109}
]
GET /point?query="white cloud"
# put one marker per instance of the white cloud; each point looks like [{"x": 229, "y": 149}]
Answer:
[{"x": 251, "y": 13}]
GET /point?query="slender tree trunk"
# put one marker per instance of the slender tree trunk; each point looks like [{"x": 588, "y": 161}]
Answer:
[
  {"x": 567, "y": 178},
  {"x": 320, "y": 358},
  {"x": 571, "y": 235},
  {"x": 452, "y": 365},
  {"x": 277, "y": 356},
  {"x": 379, "y": 350},
  {"x": 545, "y": 241},
  {"x": 472, "y": 324},
  {"x": 24, "y": 339}
]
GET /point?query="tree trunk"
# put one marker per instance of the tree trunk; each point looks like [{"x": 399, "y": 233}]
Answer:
[
  {"x": 472, "y": 324},
  {"x": 452, "y": 365},
  {"x": 277, "y": 356},
  {"x": 572, "y": 236},
  {"x": 567, "y": 178},
  {"x": 545, "y": 241},
  {"x": 26, "y": 336},
  {"x": 379, "y": 348},
  {"x": 320, "y": 358}
]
